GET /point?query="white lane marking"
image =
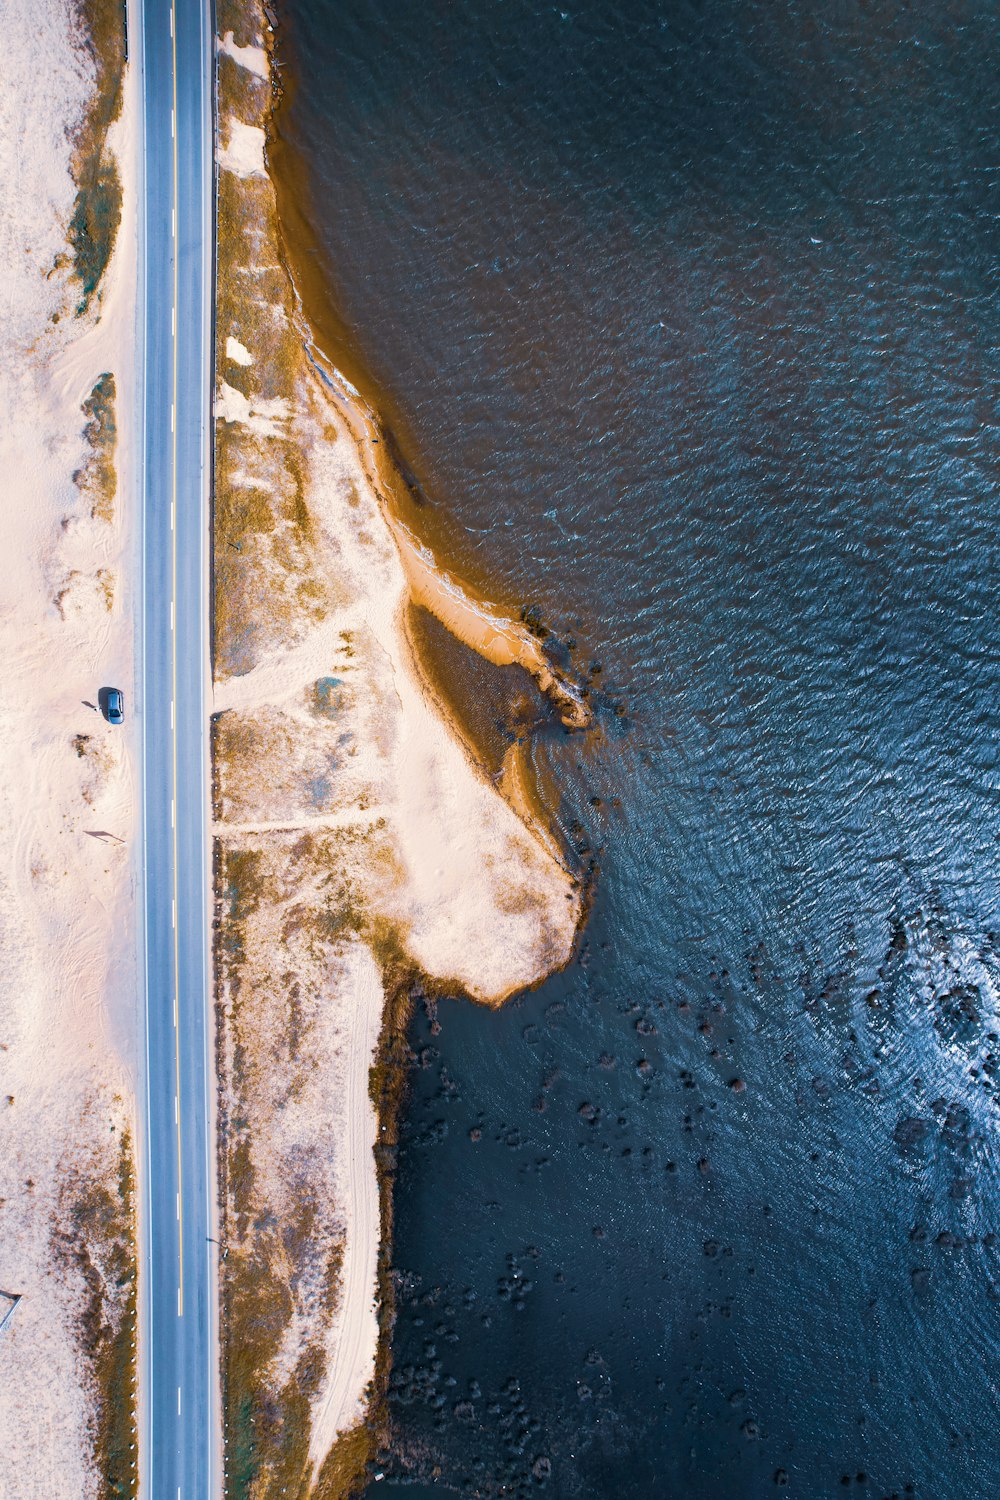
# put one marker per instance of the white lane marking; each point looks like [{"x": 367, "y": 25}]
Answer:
[
  {"x": 180, "y": 1303},
  {"x": 171, "y": 33},
  {"x": 178, "y": 1405}
]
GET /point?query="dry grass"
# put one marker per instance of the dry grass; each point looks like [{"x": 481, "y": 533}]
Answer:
[
  {"x": 97, "y": 1240},
  {"x": 98, "y": 207},
  {"x": 263, "y": 589},
  {"x": 345, "y": 1468},
  {"x": 243, "y": 20},
  {"x": 261, "y": 522},
  {"x": 267, "y": 1427},
  {"x": 60, "y": 598},
  {"x": 96, "y": 478},
  {"x": 298, "y": 885},
  {"x": 267, "y": 1424}
]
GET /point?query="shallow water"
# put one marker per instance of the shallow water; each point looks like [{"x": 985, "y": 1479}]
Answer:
[{"x": 686, "y": 321}]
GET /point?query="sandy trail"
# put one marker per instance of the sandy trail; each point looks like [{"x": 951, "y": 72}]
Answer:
[{"x": 346, "y": 817}]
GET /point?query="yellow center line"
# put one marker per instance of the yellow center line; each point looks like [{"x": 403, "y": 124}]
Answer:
[{"x": 173, "y": 684}]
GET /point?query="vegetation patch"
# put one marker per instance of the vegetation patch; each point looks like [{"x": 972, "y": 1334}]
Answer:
[
  {"x": 388, "y": 1084},
  {"x": 92, "y": 229},
  {"x": 279, "y": 1263},
  {"x": 97, "y": 478},
  {"x": 97, "y": 1241},
  {"x": 265, "y": 583},
  {"x": 345, "y": 1468},
  {"x": 97, "y": 210},
  {"x": 106, "y": 586}
]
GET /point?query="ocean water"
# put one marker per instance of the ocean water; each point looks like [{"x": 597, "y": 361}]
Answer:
[{"x": 685, "y": 317}]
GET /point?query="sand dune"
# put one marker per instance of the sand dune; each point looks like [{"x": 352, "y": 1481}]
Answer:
[{"x": 67, "y": 780}]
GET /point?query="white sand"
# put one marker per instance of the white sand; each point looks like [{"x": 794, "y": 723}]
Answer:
[
  {"x": 237, "y": 353},
  {"x": 253, "y": 58},
  {"x": 67, "y": 877},
  {"x": 243, "y": 149},
  {"x": 265, "y": 418}
]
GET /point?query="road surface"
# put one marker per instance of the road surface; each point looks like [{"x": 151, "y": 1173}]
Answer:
[{"x": 171, "y": 44}]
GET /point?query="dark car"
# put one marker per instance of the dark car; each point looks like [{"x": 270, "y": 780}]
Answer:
[{"x": 116, "y": 706}]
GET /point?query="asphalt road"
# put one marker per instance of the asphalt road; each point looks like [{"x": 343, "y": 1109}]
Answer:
[{"x": 171, "y": 43}]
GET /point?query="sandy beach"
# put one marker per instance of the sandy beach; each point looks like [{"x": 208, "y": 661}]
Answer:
[
  {"x": 359, "y": 846},
  {"x": 68, "y": 779}
]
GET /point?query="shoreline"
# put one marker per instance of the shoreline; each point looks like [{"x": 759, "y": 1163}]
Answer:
[
  {"x": 462, "y": 607},
  {"x": 498, "y": 638},
  {"x": 363, "y": 853}
]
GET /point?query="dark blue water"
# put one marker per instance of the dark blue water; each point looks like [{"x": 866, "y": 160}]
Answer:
[{"x": 686, "y": 318}]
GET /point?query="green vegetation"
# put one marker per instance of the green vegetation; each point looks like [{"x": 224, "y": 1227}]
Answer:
[
  {"x": 326, "y": 697},
  {"x": 388, "y": 1082}
]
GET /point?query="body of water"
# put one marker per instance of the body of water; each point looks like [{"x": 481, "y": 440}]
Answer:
[{"x": 685, "y": 317}]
